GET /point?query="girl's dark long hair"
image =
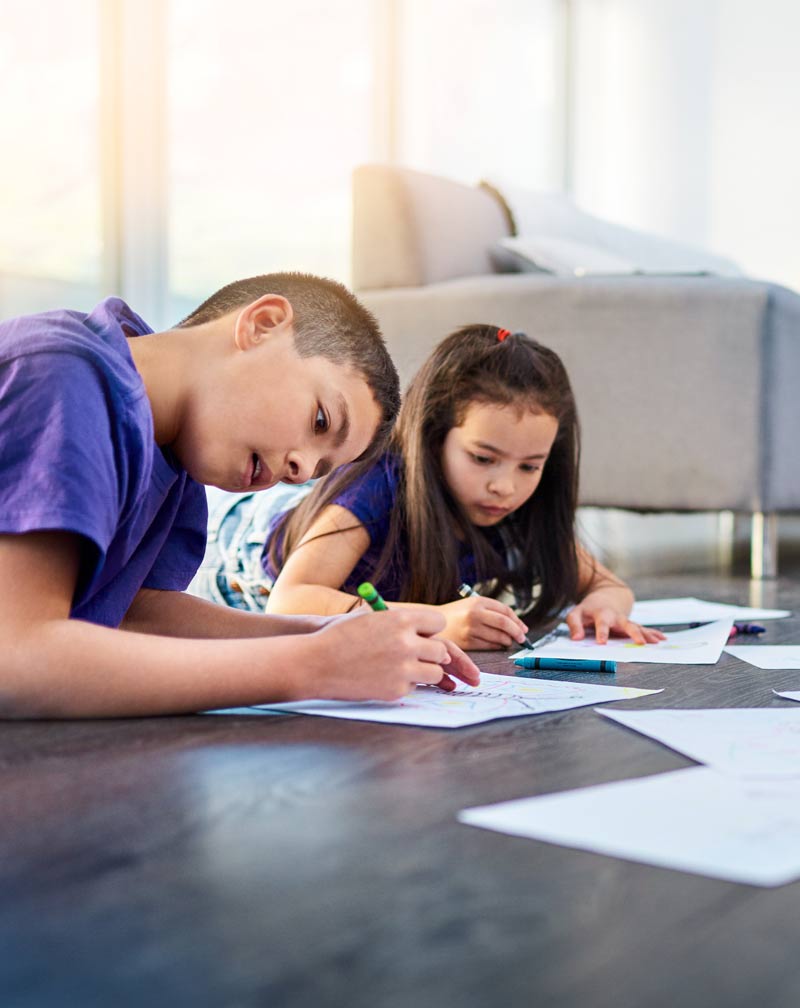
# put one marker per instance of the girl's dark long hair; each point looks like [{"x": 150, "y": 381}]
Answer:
[{"x": 473, "y": 365}]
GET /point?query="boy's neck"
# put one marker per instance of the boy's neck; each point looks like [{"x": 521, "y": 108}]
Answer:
[{"x": 167, "y": 362}]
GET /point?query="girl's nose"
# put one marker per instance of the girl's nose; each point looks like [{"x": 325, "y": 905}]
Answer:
[{"x": 502, "y": 486}]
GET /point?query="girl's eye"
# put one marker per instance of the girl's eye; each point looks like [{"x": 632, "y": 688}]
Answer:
[
  {"x": 529, "y": 468},
  {"x": 321, "y": 421},
  {"x": 482, "y": 459}
]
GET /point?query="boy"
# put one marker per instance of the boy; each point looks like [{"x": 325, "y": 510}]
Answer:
[{"x": 107, "y": 431}]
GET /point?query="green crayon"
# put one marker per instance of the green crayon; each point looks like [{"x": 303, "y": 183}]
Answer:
[{"x": 370, "y": 595}]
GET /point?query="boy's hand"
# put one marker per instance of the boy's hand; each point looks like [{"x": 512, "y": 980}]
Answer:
[
  {"x": 383, "y": 656},
  {"x": 461, "y": 666},
  {"x": 478, "y": 623},
  {"x": 607, "y": 620}
]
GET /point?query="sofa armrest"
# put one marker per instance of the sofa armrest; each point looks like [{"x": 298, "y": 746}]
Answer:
[{"x": 410, "y": 228}]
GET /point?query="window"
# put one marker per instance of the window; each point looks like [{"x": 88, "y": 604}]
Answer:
[
  {"x": 51, "y": 243},
  {"x": 159, "y": 149},
  {"x": 481, "y": 90},
  {"x": 270, "y": 109}
]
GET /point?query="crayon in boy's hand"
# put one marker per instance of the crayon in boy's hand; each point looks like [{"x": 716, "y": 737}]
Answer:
[{"x": 370, "y": 595}]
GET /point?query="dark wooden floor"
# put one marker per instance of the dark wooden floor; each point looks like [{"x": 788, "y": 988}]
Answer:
[{"x": 291, "y": 861}]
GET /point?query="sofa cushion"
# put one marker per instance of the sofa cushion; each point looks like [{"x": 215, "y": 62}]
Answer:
[
  {"x": 562, "y": 256},
  {"x": 552, "y": 215}
]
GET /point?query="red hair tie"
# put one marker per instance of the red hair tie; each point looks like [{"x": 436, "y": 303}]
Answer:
[{"x": 503, "y": 334}]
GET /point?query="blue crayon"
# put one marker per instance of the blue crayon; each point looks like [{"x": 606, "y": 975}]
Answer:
[
  {"x": 565, "y": 664},
  {"x": 748, "y": 628}
]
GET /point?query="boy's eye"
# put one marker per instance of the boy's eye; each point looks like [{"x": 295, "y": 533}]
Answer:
[{"x": 320, "y": 421}]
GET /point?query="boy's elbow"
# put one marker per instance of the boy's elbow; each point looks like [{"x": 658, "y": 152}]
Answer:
[
  {"x": 26, "y": 697},
  {"x": 24, "y": 705},
  {"x": 18, "y": 705}
]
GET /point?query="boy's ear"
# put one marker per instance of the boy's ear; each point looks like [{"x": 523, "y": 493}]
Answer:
[{"x": 270, "y": 315}]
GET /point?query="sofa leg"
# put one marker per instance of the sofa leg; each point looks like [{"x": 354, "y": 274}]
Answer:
[
  {"x": 726, "y": 536},
  {"x": 764, "y": 545}
]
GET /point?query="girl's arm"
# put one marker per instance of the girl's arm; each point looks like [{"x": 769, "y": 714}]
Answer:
[
  {"x": 52, "y": 666},
  {"x": 311, "y": 581},
  {"x": 606, "y": 602}
]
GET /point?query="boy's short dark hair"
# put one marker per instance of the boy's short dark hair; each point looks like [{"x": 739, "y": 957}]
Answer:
[{"x": 329, "y": 322}]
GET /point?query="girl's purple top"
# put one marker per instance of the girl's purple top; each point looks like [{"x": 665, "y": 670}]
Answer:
[
  {"x": 371, "y": 498},
  {"x": 78, "y": 454}
]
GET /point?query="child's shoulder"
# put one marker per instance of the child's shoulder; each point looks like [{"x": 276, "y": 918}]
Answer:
[
  {"x": 389, "y": 467},
  {"x": 376, "y": 488},
  {"x": 74, "y": 375},
  {"x": 65, "y": 339}
]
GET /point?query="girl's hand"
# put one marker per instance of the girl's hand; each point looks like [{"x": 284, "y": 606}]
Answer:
[
  {"x": 607, "y": 620},
  {"x": 478, "y": 623}
]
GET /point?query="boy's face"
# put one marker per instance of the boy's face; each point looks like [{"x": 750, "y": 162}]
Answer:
[{"x": 266, "y": 415}]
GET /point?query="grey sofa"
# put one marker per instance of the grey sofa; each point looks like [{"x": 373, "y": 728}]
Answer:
[{"x": 688, "y": 387}]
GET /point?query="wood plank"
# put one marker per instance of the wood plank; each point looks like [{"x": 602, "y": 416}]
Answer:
[{"x": 299, "y": 861}]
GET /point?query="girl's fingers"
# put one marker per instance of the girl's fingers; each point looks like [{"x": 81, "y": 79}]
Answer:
[
  {"x": 602, "y": 628},
  {"x": 648, "y": 634},
  {"x": 507, "y": 627},
  {"x": 492, "y": 640},
  {"x": 494, "y": 605},
  {"x": 639, "y": 634},
  {"x": 642, "y": 635},
  {"x": 483, "y": 639},
  {"x": 446, "y": 684},
  {"x": 574, "y": 621},
  {"x": 632, "y": 630}
]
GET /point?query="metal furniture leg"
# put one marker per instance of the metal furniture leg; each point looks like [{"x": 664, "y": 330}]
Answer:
[{"x": 764, "y": 545}]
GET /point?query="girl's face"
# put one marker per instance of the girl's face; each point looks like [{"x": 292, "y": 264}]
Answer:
[{"x": 494, "y": 460}]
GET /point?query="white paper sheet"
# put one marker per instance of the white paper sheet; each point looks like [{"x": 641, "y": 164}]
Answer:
[
  {"x": 700, "y": 646},
  {"x": 767, "y": 656},
  {"x": 741, "y": 741},
  {"x": 788, "y": 694},
  {"x": 662, "y": 612},
  {"x": 496, "y": 697},
  {"x": 691, "y": 820}
]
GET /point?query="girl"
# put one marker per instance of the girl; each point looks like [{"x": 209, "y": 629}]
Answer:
[{"x": 480, "y": 484}]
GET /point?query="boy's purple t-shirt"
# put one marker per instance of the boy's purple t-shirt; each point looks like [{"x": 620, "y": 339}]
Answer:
[
  {"x": 372, "y": 498},
  {"x": 78, "y": 454}
]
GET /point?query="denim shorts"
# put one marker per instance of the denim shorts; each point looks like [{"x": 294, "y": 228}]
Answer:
[{"x": 231, "y": 573}]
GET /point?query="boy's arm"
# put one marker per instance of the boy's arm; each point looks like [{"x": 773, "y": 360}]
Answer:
[
  {"x": 52, "y": 666},
  {"x": 178, "y": 614}
]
